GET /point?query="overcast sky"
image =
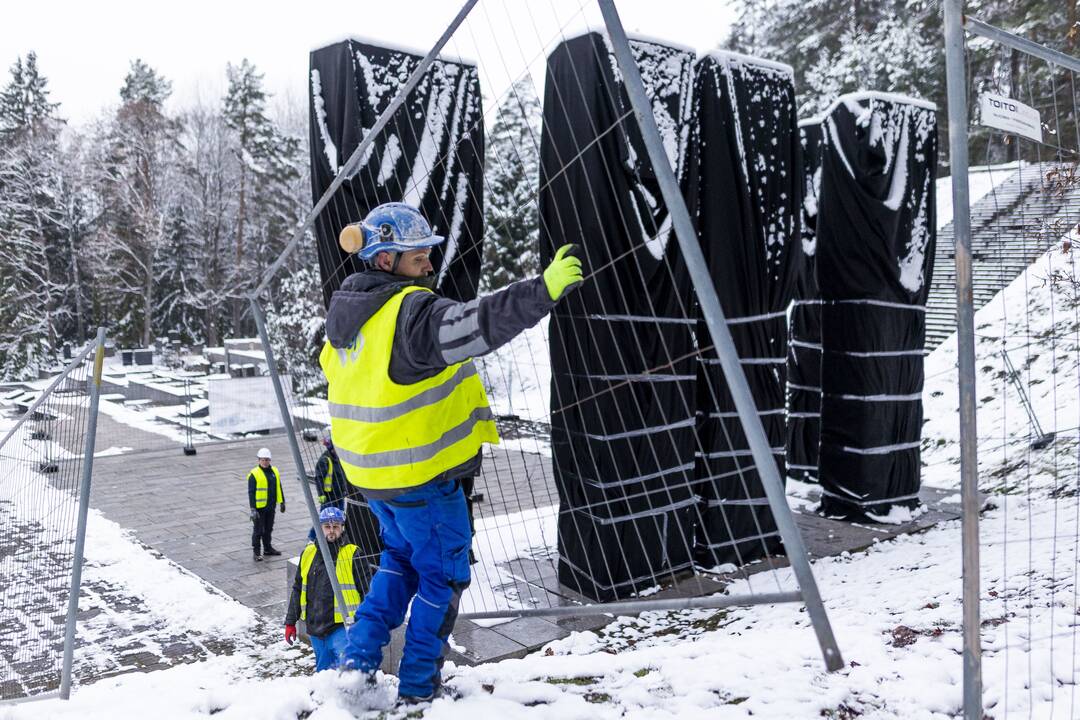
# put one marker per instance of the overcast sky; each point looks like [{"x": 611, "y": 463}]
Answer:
[{"x": 84, "y": 47}]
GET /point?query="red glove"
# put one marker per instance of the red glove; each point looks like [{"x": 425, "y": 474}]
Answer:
[{"x": 290, "y": 634}]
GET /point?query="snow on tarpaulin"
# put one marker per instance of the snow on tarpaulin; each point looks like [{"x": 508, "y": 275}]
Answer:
[
  {"x": 430, "y": 154},
  {"x": 744, "y": 187},
  {"x": 804, "y": 350},
  {"x": 875, "y": 250},
  {"x": 622, "y": 420}
]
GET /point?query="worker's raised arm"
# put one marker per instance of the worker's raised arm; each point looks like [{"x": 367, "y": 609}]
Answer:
[{"x": 434, "y": 332}]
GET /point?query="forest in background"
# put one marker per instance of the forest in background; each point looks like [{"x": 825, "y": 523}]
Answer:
[{"x": 157, "y": 223}]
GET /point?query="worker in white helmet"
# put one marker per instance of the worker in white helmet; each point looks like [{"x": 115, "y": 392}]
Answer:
[{"x": 264, "y": 495}]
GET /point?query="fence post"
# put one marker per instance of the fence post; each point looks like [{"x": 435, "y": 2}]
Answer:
[
  {"x": 84, "y": 510},
  {"x": 713, "y": 314},
  {"x": 965, "y": 347},
  {"x": 298, "y": 458}
]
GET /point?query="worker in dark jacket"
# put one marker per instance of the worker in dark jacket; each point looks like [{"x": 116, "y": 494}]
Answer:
[
  {"x": 410, "y": 418},
  {"x": 264, "y": 495},
  {"x": 312, "y": 599},
  {"x": 329, "y": 475},
  {"x": 329, "y": 478}
]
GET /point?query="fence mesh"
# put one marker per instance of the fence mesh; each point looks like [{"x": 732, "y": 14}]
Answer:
[
  {"x": 618, "y": 474},
  {"x": 1025, "y": 205},
  {"x": 41, "y": 464}
]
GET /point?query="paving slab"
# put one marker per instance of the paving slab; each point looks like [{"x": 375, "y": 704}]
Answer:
[{"x": 193, "y": 509}]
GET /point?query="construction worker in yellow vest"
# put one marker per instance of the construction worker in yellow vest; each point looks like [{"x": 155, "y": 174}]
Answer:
[
  {"x": 410, "y": 417},
  {"x": 264, "y": 495},
  {"x": 312, "y": 599}
]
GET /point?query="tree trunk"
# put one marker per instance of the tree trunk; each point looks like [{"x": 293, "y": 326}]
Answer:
[
  {"x": 148, "y": 308},
  {"x": 239, "y": 243},
  {"x": 76, "y": 279}
]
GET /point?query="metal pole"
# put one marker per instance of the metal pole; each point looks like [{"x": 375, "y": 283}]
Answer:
[
  {"x": 84, "y": 511},
  {"x": 350, "y": 165},
  {"x": 189, "y": 449},
  {"x": 636, "y": 607},
  {"x": 1024, "y": 45},
  {"x": 955, "y": 74},
  {"x": 721, "y": 336},
  {"x": 298, "y": 458}
]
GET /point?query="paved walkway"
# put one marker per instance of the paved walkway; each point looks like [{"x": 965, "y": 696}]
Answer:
[{"x": 193, "y": 509}]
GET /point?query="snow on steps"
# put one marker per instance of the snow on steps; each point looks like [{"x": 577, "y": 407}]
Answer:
[{"x": 1005, "y": 240}]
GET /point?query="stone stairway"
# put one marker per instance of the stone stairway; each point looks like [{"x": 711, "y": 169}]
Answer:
[{"x": 1010, "y": 228}]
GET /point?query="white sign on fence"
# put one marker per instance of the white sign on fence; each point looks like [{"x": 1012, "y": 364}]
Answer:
[
  {"x": 1010, "y": 115},
  {"x": 240, "y": 405}
]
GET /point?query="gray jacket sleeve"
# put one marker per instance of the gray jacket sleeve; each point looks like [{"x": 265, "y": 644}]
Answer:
[{"x": 434, "y": 333}]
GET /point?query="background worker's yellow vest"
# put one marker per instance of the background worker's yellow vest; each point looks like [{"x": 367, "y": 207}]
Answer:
[
  {"x": 261, "y": 489},
  {"x": 344, "y": 571},
  {"x": 391, "y": 436}
]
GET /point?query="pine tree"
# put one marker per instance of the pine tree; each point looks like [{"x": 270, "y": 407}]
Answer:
[
  {"x": 268, "y": 164},
  {"x": 178, "y": 274},
  {"x": 24, "y": 102},
  {"x": 512, "y": 174},
  {"x": 36, "y": 258}
]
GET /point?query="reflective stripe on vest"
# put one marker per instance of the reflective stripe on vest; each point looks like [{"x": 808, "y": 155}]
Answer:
[
  {"x": 344, "y": 571},
  {"x": 262, "y": 487},
  {"x": 390, "y": 436}
]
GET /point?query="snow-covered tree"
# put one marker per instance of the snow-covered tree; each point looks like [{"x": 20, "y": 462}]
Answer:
[
  {"x": 136, "y": 179},
  {"x": 209, "y": 189},
  {"x": 24, "y": 102},
  {"x": 178, "y": 274},
  {"x": 892, "y": 55},
  {"x": 838, "y": 46},
  {"x": 511, "y": 177},
  {"x": 296, "y": 325},
  {"x": 267, "y": 166},
  {"x": 36, "y": 258}
]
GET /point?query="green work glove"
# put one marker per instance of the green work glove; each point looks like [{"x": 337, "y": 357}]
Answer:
[{"x": 564, "y": 272}]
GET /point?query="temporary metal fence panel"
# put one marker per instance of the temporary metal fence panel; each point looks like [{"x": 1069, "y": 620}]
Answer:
[
  {"x": 1017, "y": 302},
  {"x": 520, "y": 517},
  {"x": 46, "y": 464}
]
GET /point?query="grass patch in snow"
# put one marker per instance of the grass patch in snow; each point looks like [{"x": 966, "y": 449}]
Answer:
[{"x": 580, "y": 681}]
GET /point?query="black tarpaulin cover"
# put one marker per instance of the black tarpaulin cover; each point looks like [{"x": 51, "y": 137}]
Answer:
[
  {"x": 744, "y": 189},
  {"x": 804, "y": 351},
  {"x": 621, "y": 347},
  {"x": 876, "y": 235},
  {"x": 430, "y": 155}
]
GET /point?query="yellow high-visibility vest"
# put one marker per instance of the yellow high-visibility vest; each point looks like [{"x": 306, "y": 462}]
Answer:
[
  {"x": 261, "y": 486},
  {"x": 328, "y": 481},
  {"x": 344, "y": 571},
  {"x": 390, "y": 436}
]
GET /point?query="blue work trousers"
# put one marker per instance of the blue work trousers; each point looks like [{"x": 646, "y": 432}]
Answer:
[
  {"x": 330, "y": 650},
  {"x": 425, "y": 560}
]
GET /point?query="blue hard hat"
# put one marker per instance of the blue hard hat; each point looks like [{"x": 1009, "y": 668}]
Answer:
[
  {"x": 331, "y": 515},
  {"x": 395, "y": 227}
]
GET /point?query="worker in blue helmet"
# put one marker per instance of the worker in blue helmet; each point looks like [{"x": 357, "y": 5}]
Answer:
[
  {"x": 312, "y": 598},
  {"x": 410, "y": 417}
]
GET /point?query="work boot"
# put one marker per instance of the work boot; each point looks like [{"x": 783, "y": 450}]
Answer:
[
  {"x": 420, "y": 699},
  {"x": 257, "y": 557},
  {"x": 271, "y": 551}
]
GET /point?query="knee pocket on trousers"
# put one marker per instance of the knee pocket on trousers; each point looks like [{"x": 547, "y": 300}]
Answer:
[{"x": 454, "y": 550}]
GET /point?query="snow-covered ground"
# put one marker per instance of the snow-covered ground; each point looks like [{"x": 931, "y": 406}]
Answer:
[{"x": 895, "y": 609}]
